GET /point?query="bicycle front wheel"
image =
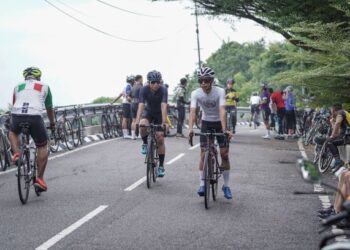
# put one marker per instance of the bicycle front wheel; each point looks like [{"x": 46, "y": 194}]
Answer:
[
  {"x": 76, "y": 131},
  {"x": 68, "y": 135},
  {"x": 23, "y": 177},
  {"x": 104, "y": 127},
  {"x": 215, "y": 177},
  {"x": 325, "y": 158},
  {"x": 207, "y": 178}
]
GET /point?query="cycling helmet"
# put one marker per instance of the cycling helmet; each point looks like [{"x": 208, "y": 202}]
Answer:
[
  {"x": 166, "y": 85},
  {"x": 154, "y": 76},
  {"x": 130, "y": 78},
  {"x": 205, "y": 72},
  {"x": 230, "y": 81},
  {"x": 32, "y": 72}
]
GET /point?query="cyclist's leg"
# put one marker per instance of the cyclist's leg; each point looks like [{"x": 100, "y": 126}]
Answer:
[
  {"x": 13, "y": 136},
  {"x": 39, "y": 135},
  {"x": 134, "y": 107},
  {"x": 234, "y": 118},
  {"x": 143, "y": 131},
  {"x": 126, "y": 117}
]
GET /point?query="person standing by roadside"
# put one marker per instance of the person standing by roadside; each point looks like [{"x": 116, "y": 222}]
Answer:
[
  {"x": 265, "y": 109},
  {"x": 181, "y": 97},
  {"x": 289, "y": 101},
  {"x": 273, "y": 109},
  {"x": 277, "y": 99},
  {"x": 126, "y": 104},
  {"x": 231, "y": 103},
  {"x": 134, "y": 94}
]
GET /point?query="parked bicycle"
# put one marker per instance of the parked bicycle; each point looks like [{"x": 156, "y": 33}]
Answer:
[
  {"x": 152, "y": 158},
  {"x": 5, "y": 148},
  {"x": 211, "y": 166},
  {"x": 78, "y": 126},
  {"x": 26, "y": 164},
  {"x": 63, "y": 134}
]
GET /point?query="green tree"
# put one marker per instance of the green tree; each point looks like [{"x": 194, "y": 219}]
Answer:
[{"x": 104, "y": 99}]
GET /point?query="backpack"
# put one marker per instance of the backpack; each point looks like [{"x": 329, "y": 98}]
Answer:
[{"x": 347, "y": 117}]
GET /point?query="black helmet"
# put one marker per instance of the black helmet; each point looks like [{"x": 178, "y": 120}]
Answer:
[
  {"x": 183, "y": 81},
  {"x": 154, "y": 76}
]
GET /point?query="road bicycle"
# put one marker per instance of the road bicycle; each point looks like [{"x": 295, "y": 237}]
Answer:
[
  {"x": 78, "y": 126},
  {"x": 26, "y": 164},
  {"x": 152, "y": 158},
  {"x": 62, "y": 134},
  {"x": 211, "y": 167}
]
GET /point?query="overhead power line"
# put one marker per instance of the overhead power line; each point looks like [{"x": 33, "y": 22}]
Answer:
[
  {"x": 102, "y": 31},
  {"x": 128, "y": 11}
]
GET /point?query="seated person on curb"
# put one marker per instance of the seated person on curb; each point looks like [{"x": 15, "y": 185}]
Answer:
[
  {"x": 153, "y": 100},
  {"x": 337, "y": 138},
  {"x": 211, "y": 100},
  {"x": 29, "y": 98}
]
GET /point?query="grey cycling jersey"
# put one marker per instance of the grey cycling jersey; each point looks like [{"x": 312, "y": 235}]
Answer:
[{"x": 209, "y": 103}]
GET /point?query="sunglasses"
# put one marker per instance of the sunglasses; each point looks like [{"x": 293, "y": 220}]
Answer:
[
  {"x": 205, "y": 80},
  {"x": 154, "y": 82}
]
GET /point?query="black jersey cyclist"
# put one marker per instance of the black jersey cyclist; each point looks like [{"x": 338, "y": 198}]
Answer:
[{"x": 153, "y": 101}]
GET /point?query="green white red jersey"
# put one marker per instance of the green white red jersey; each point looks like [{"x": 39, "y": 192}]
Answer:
[{"x": 31, "y": 97}]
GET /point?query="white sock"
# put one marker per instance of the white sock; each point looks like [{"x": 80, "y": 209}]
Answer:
[
  {"x": 201, "y": 183},
  {"x": 125, "y": 132},
  {"x": 133, "y": 134},
  {"x": 268, "y": 132},
  {"x": 226, "y": 175}
]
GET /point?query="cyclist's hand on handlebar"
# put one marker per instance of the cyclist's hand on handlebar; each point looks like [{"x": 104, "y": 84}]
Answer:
[
  {"x": 52, "y": 126},
  {"x": 190, "y": 137},
  {"x": 229, "y": 134}
]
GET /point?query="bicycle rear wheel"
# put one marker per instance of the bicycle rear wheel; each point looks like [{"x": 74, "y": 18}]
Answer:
[
  {"x": 118, "y": 126},
  {"x": 23, "y": 177},
  {"x": 104, "y": 126},
  {"x": 53, "y": 141},
  {"x": 325, "y": 158},
  {"x": 206, "y": 169},
  {"x": 110, "y": 126},
  {"x": 76, "y": 131}
]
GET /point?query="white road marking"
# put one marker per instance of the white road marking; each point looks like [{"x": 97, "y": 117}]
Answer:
[
  {"x": 71, "y": 228},
  {"x": 143, "y": 179},
  {"x": 67, "y": 153},
  {"x": 175, "y": 159},
  {"x": 195, "y": 146},
  {"x": 136, "y": 184}
]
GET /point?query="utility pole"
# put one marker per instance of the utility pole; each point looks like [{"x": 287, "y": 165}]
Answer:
[{"x": 197, "y": 31}]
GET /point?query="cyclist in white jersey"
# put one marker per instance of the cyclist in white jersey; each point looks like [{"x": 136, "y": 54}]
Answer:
[
  {"x": 211, "y": 100},
  {"x": 29, "y": 99}
]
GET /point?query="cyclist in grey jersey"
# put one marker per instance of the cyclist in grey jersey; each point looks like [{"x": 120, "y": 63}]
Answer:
[{"x": 211, "y": 100}]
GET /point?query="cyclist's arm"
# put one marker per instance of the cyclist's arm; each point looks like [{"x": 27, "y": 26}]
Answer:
[
  {"x": 164, "y": 108},
  {"x": 336, "y": 128},
  {"x": 49, "y": 106},
  {"x": 140, "y": 110},
  {"x": 222, "y": 112},
  {"x": 193, "y": 106}
]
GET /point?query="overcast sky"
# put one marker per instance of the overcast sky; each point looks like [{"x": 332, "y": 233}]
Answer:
[{"x": 80, "y": 63}]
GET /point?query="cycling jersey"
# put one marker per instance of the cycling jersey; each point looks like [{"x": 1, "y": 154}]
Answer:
[
  {"x": 209, "y": 103},
  {"x": 153, "y": 100},
  {"x": 126, "y": 93},
  {"x": 30, "y": 98},
  {"x": 231, "y": 97}
]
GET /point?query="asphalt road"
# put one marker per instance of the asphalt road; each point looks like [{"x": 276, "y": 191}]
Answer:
[{"x": 87, "y": 205}]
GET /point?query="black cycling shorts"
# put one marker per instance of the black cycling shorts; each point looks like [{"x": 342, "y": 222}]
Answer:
[
  {"x": 152, "y": 118},
  {"x": 127, "y": 110},
  {"x": 213, "y": 127},
  {"x": 266, "y": 114},
  {"x": 37, "y": 127},
  {"x": 134, "y": 108}
]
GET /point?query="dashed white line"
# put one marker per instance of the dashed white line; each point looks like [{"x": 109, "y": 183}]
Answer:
[
  {"x": 195, "y": 146},
  {"x": 143, "y": 179},
  {"x": 136, "y": 184},
  {"x": 71, "y": 228},
  {"x": 175, "y": 159}
]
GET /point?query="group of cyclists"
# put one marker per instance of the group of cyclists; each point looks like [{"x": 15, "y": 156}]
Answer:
[{"x": 145, "y": 103}]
